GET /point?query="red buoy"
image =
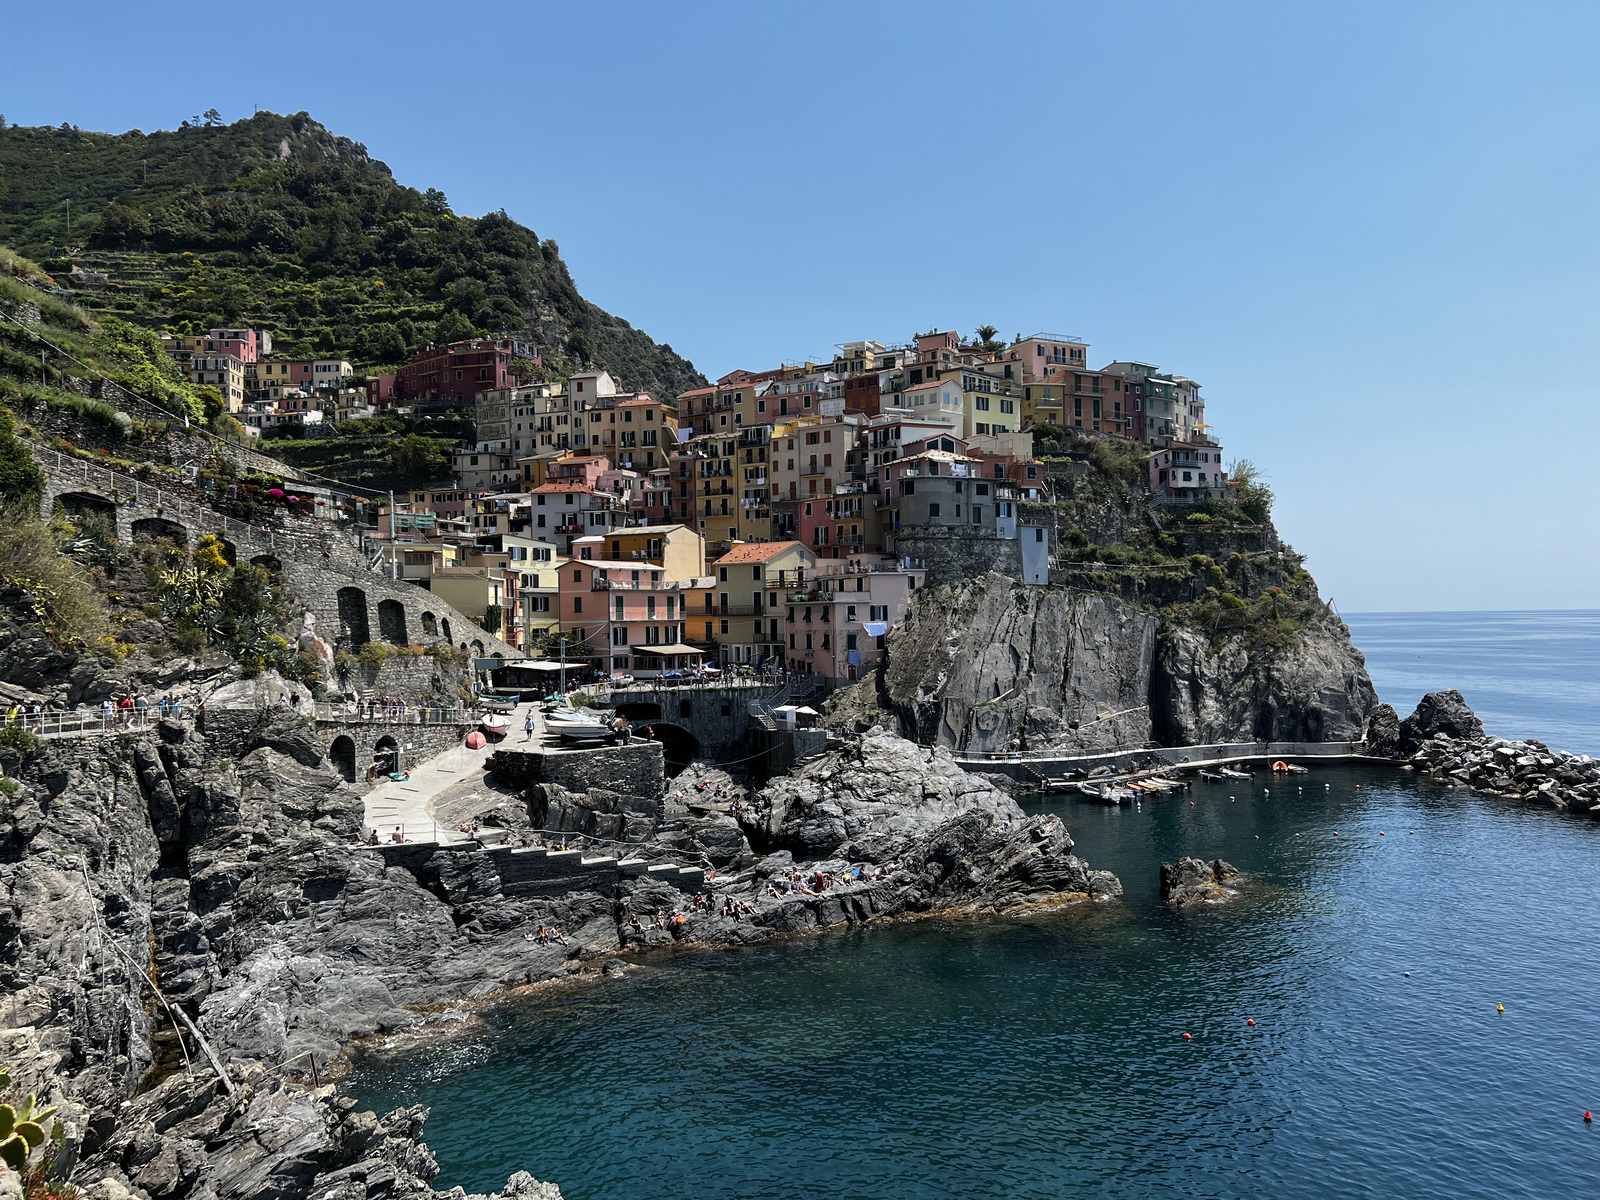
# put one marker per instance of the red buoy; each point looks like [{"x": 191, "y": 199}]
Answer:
[
  {"x": 1587, "y": 1115},
  {"x": 1187, "y": 1038},
  {"x": 1251, "y": 1021},
  {"x": 1380, "y": 833}
]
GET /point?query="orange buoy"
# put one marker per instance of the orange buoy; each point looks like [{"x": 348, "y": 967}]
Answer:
[
  {"x": 1251, "y": 1021},
  {"x": 1187, "y": 1038},
  {"x": 1587, "y": 1115}
]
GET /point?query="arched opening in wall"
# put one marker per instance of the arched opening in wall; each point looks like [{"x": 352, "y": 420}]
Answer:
[
  {"x": 95, "y": 516},
  {"x": 353, "y": 617},
  {"x": 230, "y": 552},
  {"x": 267, "y": 563},
  {"x": 430, "y": 624},
  {"x": 641, "y": 711},
  {"x": 343, "y": 755},
  {"x": 159, "y": 529},
  {"x": 678, "y": 746},
  {"x": 392, "y": 622},
  {"x": 386, "y": 755},
  {"x": 444, "y": 630},
  {"x": 477, "y": 648}
]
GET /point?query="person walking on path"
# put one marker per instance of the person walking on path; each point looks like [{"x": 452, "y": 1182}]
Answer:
[{"x": 527, "y": 727}]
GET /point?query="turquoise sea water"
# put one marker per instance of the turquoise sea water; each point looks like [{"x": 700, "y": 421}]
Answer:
[{"x": 1045, "y": 1058}]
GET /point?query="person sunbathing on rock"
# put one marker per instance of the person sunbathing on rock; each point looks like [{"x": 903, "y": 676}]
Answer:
[{"x": 555, "y": 936}]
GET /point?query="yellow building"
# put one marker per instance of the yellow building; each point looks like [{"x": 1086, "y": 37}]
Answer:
[
  {"x": 679, "y": 551},
  {"x": 746, "y": 617}
]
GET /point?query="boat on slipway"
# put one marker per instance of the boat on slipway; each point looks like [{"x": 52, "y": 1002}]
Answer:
[{"x": 1104, "y": 793}]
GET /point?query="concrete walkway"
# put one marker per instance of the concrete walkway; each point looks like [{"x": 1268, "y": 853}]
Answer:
[{"x": 409, "y": 804}]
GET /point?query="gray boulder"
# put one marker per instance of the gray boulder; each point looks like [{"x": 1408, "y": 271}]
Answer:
[
  {"x": 1194, "y": 881},
  {"x": 1445, "y": 712}
]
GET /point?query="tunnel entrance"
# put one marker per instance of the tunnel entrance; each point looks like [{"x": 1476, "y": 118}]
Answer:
[{"x": 678, "y": 746}]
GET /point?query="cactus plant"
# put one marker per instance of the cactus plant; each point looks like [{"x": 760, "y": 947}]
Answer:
[{"x": 21, "y": 1131}]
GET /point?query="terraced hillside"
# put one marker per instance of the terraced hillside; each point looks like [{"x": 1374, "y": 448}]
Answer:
[{"x": 276, "y": 221}]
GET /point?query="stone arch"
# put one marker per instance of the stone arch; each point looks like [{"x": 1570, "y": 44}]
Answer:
[
  {"x": 268, "y": 562},
  {"x": 477, "y": 648},
  {"x": 430, "y": 624},
  {"x": 444, "y": 629},
  {"x": 230, "y": 552},
  {"x": 343, "y": 756},
  {"x": 387, "y": 749},
  {"x": 353, "y": 616},
  {"x": 641, "y": 710},
  {"x": 82, "y": 507},
  {"x": 160, "y": 528},
  {"x": 392, "y": 622},
  {"x": 679, "y": 747}
]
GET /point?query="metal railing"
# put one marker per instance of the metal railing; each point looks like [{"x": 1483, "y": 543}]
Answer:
[
  {"x": 373, "y": 713},
  {"x": 89, "y": 721}
]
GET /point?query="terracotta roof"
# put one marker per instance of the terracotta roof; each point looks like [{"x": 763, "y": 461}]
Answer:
[
  {"x": 754, "y": 552},
  {"x": 705, "y": 391},
  {"x": 563, "y": 486},
  {"x": 922, "y": 386}
]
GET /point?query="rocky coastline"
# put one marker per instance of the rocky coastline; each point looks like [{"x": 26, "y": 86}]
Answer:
[
  {"x": 175, "y": 897},
  {"x": 1445, "y": 740}
]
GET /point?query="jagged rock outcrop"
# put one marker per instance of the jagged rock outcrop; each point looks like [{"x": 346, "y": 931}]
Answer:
[
  {"x": 1194, "y": 881},
  {"x": 223, "y": 866},
  {"x": 1315, "y": 689},
  {"x": 1383, "y": 732},
  {"x": 994, "y": 666},
  {"x": 1440, "y": 713}
]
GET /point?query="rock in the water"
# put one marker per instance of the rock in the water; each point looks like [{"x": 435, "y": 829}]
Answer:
[
  {"x": 1445, "y": 712},
  {"x": 1193, "y": 880},
  {"x": 1383, "y": 732}
]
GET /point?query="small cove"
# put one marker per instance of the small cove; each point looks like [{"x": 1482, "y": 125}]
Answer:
[{"x": 1044, "y": 1056}]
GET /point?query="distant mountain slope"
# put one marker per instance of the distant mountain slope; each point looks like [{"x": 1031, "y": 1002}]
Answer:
[{"x": 275, "y": 220}]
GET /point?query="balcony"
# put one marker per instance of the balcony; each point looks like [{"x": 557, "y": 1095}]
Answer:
[{"x": 810, "y": 596}]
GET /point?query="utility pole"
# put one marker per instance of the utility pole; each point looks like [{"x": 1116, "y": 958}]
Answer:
[
  {"x": 394, "y": 564},
  {"x": 69, "y": 220}
]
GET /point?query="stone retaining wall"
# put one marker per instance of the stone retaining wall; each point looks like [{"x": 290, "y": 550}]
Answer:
[
  {"x": 316, "y": 561},
  {"x": 638, "y": 769}
]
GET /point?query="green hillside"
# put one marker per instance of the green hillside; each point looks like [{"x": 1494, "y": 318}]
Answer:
[{"x": 276, "y": 221}]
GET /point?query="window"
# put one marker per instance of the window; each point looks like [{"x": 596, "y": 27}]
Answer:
[
  {"x": 577, "y": 604},
  {"x": 850, "y": 613},
  {"x": 849, "y": 641},
  {"x": 1038, "y": 535},
  {"x": 755, "y": 572},
  {"x": 577, "y": 575},
  {"x": 933, "y": 509},
  {"x": 722, "y": 574},
  {"x": 983, "y": 489},
  {"x": 724, "y": 626}
]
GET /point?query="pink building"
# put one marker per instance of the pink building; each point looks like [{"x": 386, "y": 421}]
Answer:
[{"x": 244, "y": 344}]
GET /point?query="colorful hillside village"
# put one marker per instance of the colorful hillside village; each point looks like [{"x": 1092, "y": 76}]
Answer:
[{"x": 778, "y": 520}]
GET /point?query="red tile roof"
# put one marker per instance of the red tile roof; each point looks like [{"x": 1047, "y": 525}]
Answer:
[
  {"x": 563, "y": 486},
  {"x": 754, "y": 552}
]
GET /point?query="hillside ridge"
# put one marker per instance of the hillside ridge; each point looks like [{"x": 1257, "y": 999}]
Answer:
[{"x": 276, "y": 221}]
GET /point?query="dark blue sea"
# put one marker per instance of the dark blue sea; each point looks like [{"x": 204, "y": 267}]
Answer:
[
  {"x": 1526, "y": 674},
  {"x": 1044, "y": 1057}
]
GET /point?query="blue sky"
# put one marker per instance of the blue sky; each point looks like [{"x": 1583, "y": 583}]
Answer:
[{"x": 1368, "y": 229}]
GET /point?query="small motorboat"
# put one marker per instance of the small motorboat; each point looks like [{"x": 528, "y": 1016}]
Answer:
[
  {"x": 1104, "y": 793},
  {"x": 1230, "y": 773},
  {"x": 581, "y": 731},
  {"x": 1214, "y": 776},
  {"x": 1283, "y": 768},
  {"x": 495, "y": 725}
]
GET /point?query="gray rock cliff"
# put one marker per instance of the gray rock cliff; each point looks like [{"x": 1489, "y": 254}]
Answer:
[{"x": 994, "y": 665}]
